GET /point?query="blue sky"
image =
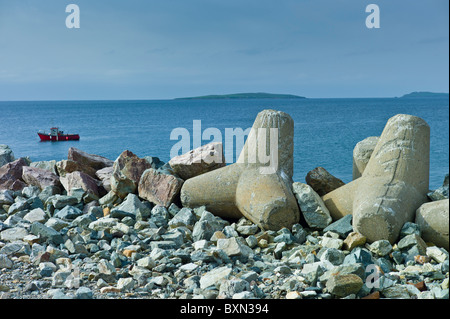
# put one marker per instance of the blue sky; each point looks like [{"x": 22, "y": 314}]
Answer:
[{"x": 146, "y": 49}]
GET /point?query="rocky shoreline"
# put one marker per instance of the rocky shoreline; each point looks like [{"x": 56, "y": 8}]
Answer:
[{"x": 92, "y": 228}]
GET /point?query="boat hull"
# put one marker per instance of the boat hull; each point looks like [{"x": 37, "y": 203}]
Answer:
[{"x": 58, "y": 138}]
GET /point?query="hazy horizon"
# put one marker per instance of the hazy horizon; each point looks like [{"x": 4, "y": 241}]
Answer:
[
  {"x": 159, "y": 50},
  {"x": 181, "y": 97}
]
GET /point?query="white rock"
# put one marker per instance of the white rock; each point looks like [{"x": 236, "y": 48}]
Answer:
[{"x": 214, "y": 277}]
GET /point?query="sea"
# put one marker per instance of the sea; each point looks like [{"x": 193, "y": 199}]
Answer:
[{"x": 326, "y": 130}]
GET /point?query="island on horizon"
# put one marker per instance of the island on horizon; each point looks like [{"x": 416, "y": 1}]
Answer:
[
  {"x": 243, "y": 96},
  {"x": 424, "y": 95}
]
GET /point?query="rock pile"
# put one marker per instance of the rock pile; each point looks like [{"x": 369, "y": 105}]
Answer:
[{"x": 88, "y": 227}]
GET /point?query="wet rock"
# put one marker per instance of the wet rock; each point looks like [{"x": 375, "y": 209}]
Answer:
[{"x": 322, "y": 181}]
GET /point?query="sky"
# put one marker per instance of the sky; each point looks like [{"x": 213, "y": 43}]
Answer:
[{"x": 148, "y": 49}]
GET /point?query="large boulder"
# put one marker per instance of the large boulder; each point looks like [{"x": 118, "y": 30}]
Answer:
[
  {"x": 47, "y": 165},
  {"x": 159, "y": 188},
  {"x": 80, "y": 180},
  {"x": 322, "y": 181},
  {"x": 11, "y": 175},
  {"x": 433, "y": 219},
  {"x": 104, "y": 175},
  {"x": 39, "y": 177},
  {"x": 198, "y": 161},
  {"x": 68, "y": 166},
  {"x": 84, "y": 159},
  {"x": 127, "y": 171},
  {"x": 6, "y": 155}
]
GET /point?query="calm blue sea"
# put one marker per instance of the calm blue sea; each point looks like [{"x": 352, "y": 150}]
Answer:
[{"x": 326, "y": 130}]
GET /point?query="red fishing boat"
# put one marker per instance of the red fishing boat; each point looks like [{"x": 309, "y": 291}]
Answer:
[{"x": 56, "y": 135}]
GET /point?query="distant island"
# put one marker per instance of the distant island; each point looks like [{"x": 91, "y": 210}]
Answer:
[
  {"x": 243, "y": 96},
  {"x": 424, "y": 95}
]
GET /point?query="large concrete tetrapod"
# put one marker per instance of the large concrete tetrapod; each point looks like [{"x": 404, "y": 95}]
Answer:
[
  {"x": 393, "y": 185},
  {"x": 258, "y": 185}
]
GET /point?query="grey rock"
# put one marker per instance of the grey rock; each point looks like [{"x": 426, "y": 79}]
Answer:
[
  {"x": 84, "y": 293},
  {"x": 359, "y": 255},
  {"x": 343, "y": 226},
  {"x": 5, "y": 262},
  {"x": 36, "y": 215},
  {"x": 6, "y": 155},
  {"x": 132, "y": 207},
  {"x": 380, "y": 247},
  {"x": 68, "y": 213},
  {"x": 183, "y": 217},
  {"x": 438, "y": 254},
  {"x": 207, "y": 226},
  {"x": 409, "y": 241},
  {"x": 31, "y": 191},
  {"x": 410, "y": 228},
  {"x": 61, "y": 201},
  {"x": 396, "y": 292},
  {"x": 442, "y": 192},
  {"x": 104, "y": 223},
  {"x": 213, "y": 278},
  {"x": 331, "y": 242},
  {"x": 126, "y": 284},
  {"x": 333, "y": 255},
  {"x": 56, "y": 223},
  {"x": 314, "y": 211},
  {"x": 234, "y": 246},
  {"x": 356, "y": 269},
  {"x": 6, "y": 197},
  {"x": 46, "y": 233},
  {"x": 13, "y": 234}
]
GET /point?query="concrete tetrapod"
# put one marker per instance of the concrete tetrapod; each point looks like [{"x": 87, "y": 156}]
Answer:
[
  {"x": 393, "y": 185},
  {"x": 258, "y": 185}
]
